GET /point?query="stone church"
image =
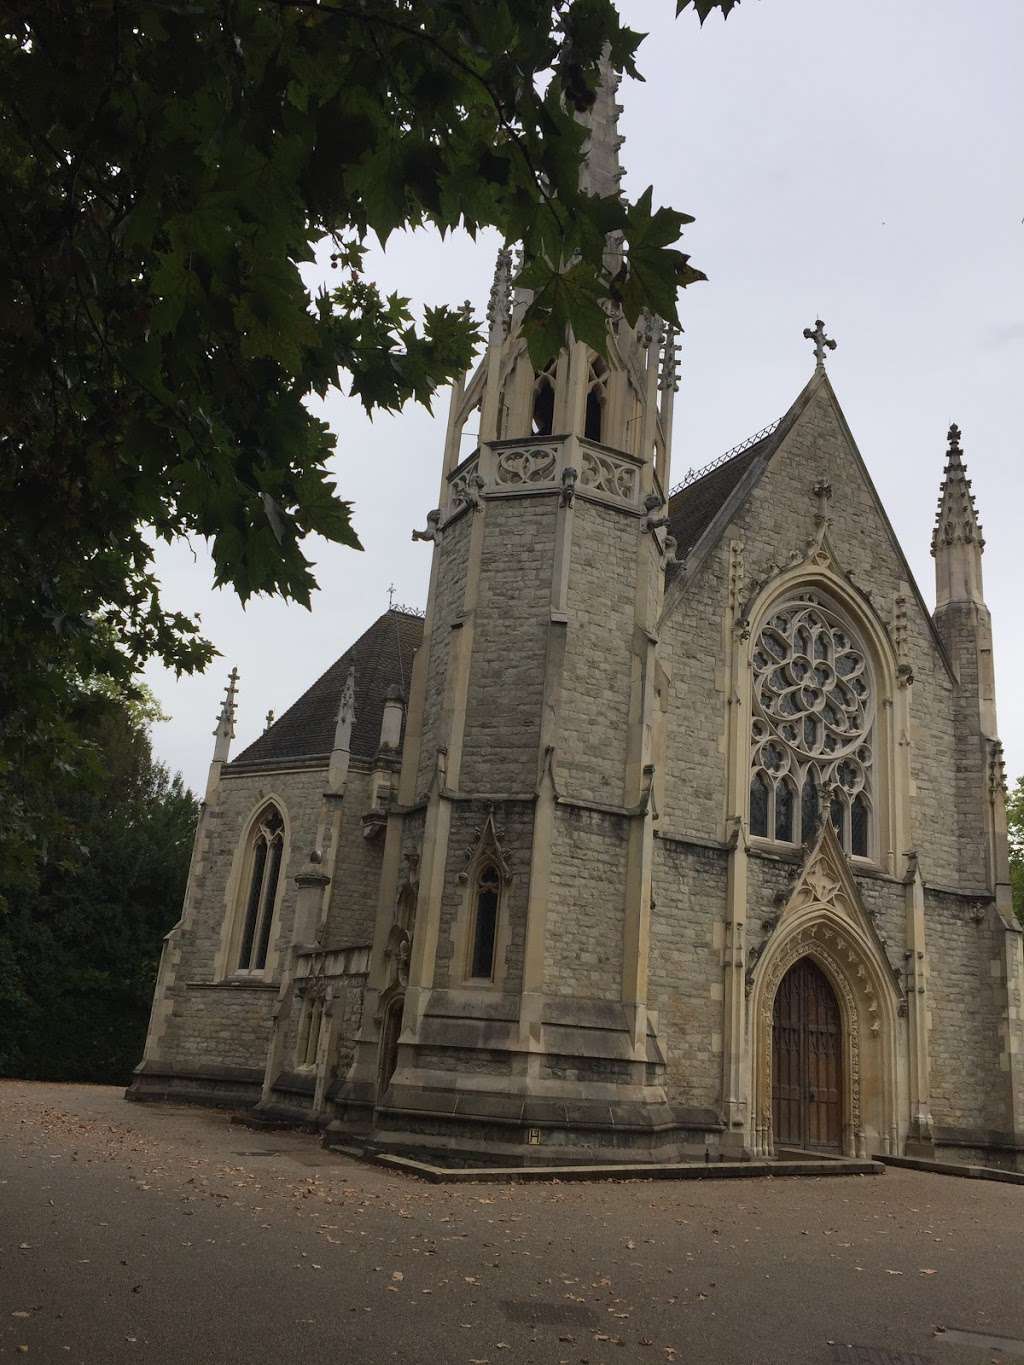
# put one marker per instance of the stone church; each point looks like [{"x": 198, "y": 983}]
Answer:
[{"x": 675, "y": 827}]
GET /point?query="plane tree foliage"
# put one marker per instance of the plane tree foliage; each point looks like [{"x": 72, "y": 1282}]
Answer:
[
  {"x": 1015, "y": 823},
  {"x": 168, "y": 169}
]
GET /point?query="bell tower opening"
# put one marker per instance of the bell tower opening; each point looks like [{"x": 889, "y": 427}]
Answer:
[{"x": 807, "y": 1082}]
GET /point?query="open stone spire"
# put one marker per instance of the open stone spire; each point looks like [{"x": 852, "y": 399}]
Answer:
[
  {"x": 957, "y": 540},
  {"x": 225, "y": 730},
  {"x": 602, "y": 171}
]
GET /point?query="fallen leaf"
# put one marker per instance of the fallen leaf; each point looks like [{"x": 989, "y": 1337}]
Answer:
[{"x": 397, "y": 1275}]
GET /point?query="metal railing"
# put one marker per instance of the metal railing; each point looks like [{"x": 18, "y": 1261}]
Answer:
[{"x": 692, "y": 475}]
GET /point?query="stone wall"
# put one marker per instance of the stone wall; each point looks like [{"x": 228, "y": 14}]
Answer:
[
  {"x": 685, "y": 975},
  {"x": 966, "y": 630},
  {"x": 227, "y": 1025},
  {"x": 506, "y": 680},
  {"x": 694, "y": 762},
  {"x": 969, "y": 1089},
  {"x": 355, "y": 882},
  {"x": 584, "y": 929},
  {"x": 595, "y": 693},
  {"x": 449, "y": 600}
]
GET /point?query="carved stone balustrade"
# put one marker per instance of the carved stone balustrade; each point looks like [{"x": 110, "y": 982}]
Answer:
[{"x": 536, "y": 465}]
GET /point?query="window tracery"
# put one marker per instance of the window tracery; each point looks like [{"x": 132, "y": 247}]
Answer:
[
  {"x": 265, "y": 851},
  {"x": 812, "y": 732}
]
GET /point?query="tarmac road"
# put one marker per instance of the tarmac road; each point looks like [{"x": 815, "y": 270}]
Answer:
[{"x": 157, "y": 1235}]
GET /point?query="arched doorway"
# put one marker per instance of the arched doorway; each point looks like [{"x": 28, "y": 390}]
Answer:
[
  {"x": 807, "y": 1067},
  {"x": 390, "y": 1033}
]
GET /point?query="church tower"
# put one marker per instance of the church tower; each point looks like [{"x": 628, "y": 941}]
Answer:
[{"x": 507, "y": 998}]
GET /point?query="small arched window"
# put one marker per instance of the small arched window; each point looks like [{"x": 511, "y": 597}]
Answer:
[
  {"x": 544, "y": 400},
  {"x": 485, "y": 924},
  {"x": 266, "y": 845},
  {"x": 597, "y": 396}
]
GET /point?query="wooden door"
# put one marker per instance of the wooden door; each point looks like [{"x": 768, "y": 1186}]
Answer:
[{"x": 807, "y": 1104}]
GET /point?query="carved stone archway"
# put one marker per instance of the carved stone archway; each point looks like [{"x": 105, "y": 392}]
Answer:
[{"x": 867, "y": 1002}]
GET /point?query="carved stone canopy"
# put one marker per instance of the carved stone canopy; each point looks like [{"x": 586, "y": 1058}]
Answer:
[{"x": 486, "y": 845}]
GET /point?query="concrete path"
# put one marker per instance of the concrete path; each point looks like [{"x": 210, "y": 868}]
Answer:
[{"x": 134, "y": 1233}]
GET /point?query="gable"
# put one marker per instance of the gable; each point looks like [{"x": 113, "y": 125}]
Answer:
[{"x": 769, "y": 490}]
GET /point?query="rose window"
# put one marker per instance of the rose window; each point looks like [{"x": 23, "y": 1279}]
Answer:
[{"x": 812, "y": 728}]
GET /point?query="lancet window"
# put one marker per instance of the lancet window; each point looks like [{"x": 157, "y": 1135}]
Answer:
[
  {"x": 485, "y": 923},
  {"x": 266, "y": 845},
  {"x": 597, "y": 399},
  {"x": 812, "y": 731},
  {"x": 544, "y": 400}
]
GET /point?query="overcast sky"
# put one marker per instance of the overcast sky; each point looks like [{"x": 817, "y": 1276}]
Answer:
[{"x": 855, "y": 160}]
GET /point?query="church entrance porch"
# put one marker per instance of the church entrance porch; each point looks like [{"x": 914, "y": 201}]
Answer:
[{"x": 807, "y": 1061}]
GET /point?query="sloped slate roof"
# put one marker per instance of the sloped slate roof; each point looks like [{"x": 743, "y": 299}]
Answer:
[
  {"x": 382, "y": 658},
  {"x": 692, "y": 510}
]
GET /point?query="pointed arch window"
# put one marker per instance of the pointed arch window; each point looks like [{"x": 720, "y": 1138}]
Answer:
[
  {"x": 812, "y": 734},
  {"x": 266, "y": 847},
  {"x": 597, "y": 398},
  {"x": 484, "y": 938},
  {"x": 544, "y": 400}
]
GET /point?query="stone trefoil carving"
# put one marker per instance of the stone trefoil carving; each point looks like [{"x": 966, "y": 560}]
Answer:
[
  {"x": 811, "y": 734},
  {"x": 605, "y": 474},
  {"x": 526, "y": 464}
]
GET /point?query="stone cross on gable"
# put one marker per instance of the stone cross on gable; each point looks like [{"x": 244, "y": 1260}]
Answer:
[
  {"x": 821, "y": 342},
  {"x": 391, "y": 595}
]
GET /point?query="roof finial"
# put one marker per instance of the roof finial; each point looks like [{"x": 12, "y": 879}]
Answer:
[
  {"x": 821, "y": 342},
  {"x": 224, "y": 732},
  {"x": 670, "y": 359},
  {"x": 391, "y": 595},
  {"x": 270, "y": 720},
  {"x": 226, "y": 718},
  {"x": 338, "y": 766},
  {"x": 957, "y": 540}
]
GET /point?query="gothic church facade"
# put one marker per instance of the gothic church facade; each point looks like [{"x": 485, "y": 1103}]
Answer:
[{"x": 676, "y": 826}]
